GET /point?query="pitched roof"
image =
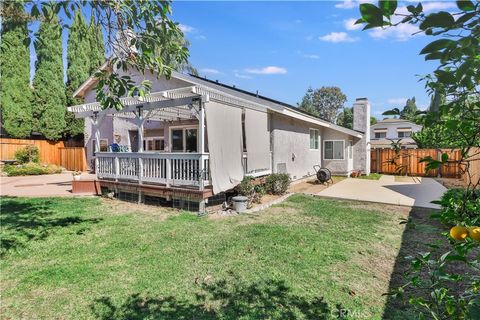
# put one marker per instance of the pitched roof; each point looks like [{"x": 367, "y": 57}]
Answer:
[{"x": 272, "y": 103}]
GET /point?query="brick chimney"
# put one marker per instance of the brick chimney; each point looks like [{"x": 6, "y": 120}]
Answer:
[{"x": 361, "y": 123}]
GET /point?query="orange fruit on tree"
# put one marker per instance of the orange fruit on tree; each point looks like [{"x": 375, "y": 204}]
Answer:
[
  {"x": 474, "y": 233},
  {"x": 459, "y": 232}
]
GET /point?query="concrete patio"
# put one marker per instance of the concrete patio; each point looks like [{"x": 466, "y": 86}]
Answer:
[
  {"x": 52, "y": 185},
  {"x": 415, "y": 192}
]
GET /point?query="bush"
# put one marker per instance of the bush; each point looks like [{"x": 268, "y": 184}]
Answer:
[
  {"x": 459, "y": 206},
  {"x": 254, "y": 193},
  {"x": 28, "y": 154},
  {"x": 246, "y": 187},
  {"x": 277, "y": 183},
  {"x": 31, "y": 169}
]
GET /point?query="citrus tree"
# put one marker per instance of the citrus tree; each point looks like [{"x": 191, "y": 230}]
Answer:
[
  {"x": 452, "y": 292},
  {"x": 135, "y": 33}
]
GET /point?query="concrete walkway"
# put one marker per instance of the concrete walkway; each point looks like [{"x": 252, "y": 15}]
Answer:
[
  {"x": 51, "y": 185},
  {"x": 418, "y": 192}
]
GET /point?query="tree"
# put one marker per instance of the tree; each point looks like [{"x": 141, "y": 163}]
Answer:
[
  {"x": 49, "y": 88},
  {"x": 345, "y": 118},
  {"x": 373, "y": 120},
  {"x": 15, "y": 92},
  {"x": 328, "y": 101},
  {"x": 456, "y": 48},
  {"x": 97, "y": 46},
  {"x": 324, "y": 102},
  {"x": 136, "y": 29},
  {"x": 79, "y": 51},
  {"x": 307, "y": 103},
  {"x": 410, "y": 111}
]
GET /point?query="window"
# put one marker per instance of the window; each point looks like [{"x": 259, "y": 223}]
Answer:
[
  {"x": 334, "y": 150},
  {"x": 103, "y": 146},
  {"x": 191, "y": 140},
  {"x": 177, "y": 140},
  {"x": 379, "y": 135},
  {"x": 404, "y": 134},
  {"x": 154, "y": 144},
  {"x": 313, "y": 139},
  {"x": 184, "y": 139}
]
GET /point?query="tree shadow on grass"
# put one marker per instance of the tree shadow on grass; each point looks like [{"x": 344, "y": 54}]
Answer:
[
  {"x": 24, "y": 221},
  {"x": 270, "y": 299},
  {"x": 418, "y": 234}
]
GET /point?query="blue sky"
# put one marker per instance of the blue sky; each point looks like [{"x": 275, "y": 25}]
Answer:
[{"x": 282, "y": 48}]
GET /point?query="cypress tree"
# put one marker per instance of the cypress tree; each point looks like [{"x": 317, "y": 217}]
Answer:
[
  {"x": 78, "y": 69},
  {"x": 97, "y": 46},
  {"x": 49, "y": 88},
  {"x": 15, "y": 91}
]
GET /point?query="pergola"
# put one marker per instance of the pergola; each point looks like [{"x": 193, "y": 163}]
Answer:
[{"x": 169, "y": 105}]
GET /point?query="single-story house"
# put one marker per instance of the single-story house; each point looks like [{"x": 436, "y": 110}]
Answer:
[
  {"x": 383, "y": 132},
  {"x": 192, "y": 139}
]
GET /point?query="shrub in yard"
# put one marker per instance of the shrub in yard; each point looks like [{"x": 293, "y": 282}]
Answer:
[
  {"x": 277, "y": 183},
  {"x": 459, "y": 206},
  {"x": 31, "y": 169},
  {"x": 246, "y": 187},
  {"x": 28, "y": 154}
]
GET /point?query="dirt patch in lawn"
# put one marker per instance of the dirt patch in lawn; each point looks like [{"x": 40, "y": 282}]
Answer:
[
  {"x": 118, "y": 207},
  {"x": 451, "y": 183},
  {"x": 312, "y": 186}
]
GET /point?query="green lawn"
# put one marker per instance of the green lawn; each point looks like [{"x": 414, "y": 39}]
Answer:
[
  {"x": 91, "y": 258},
  {"x": 371, "y": 176}
]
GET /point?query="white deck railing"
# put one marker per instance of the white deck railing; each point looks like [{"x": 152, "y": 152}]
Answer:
[
  {"x": 175, "y": 169},
  {"x": 171, "y": 169}
]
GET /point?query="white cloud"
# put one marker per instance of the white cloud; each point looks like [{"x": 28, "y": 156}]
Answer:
[
  {"x": 401, "y": 32},
  {"x": 210, "y": 71},
  {"x": 298, "y": 21},
  {"x": 397, "y": 101},
  {"x": 350, "y": 24},
  {"x": 242, "y": 76},
  {"x": 405, "y": 31},
  {"x": 311, "y": 56},
  {"x": 350, "y": 4},
  {"x": 347, "y": 4},
  {"x": 434, "y": 5},
  {"x": 308, "y": 55},
  {"x": 201, "y": 37},
  {"x": 187, "y": 29},
  {"x": 267, "y": 70},
  {"x": 337, "y": 37}
]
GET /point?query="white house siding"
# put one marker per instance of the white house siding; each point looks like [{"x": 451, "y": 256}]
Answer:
[
  {"x": 291, "y": 146},
  {"x": 106, "y": 132},
  {"x": 392, "y": 128},
  {"x": 336, "y": 166},
  {"x": 392, "y": 133}
]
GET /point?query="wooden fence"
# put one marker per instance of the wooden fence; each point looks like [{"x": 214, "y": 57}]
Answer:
[
  {"x": 473, "y": 175},
  {"x": 67, "y": 154},
  {"x": 408, "y": 162}
]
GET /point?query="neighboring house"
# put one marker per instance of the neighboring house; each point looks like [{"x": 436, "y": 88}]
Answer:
[
  {"x": 393, "y": 129},
  {"x": 191, "y": 140}
]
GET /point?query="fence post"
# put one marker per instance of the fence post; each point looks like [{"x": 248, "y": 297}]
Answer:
[
  {"x": 439, "y": 158},
  {"x": 378, "y": 151}
]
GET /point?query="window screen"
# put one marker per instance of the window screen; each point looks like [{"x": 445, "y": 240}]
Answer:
[
  {"x": 314, "y": 139},
  {"x": 334, "y": 150}
]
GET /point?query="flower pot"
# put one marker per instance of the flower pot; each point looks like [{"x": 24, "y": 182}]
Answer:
[{"x": 76, "y": 177}]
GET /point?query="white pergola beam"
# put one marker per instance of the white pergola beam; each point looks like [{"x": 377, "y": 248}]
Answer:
[{"x": 170, "y": 103}]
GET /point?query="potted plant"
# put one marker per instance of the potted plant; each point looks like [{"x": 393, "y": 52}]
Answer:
[{"x": 76, "y": 175}]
